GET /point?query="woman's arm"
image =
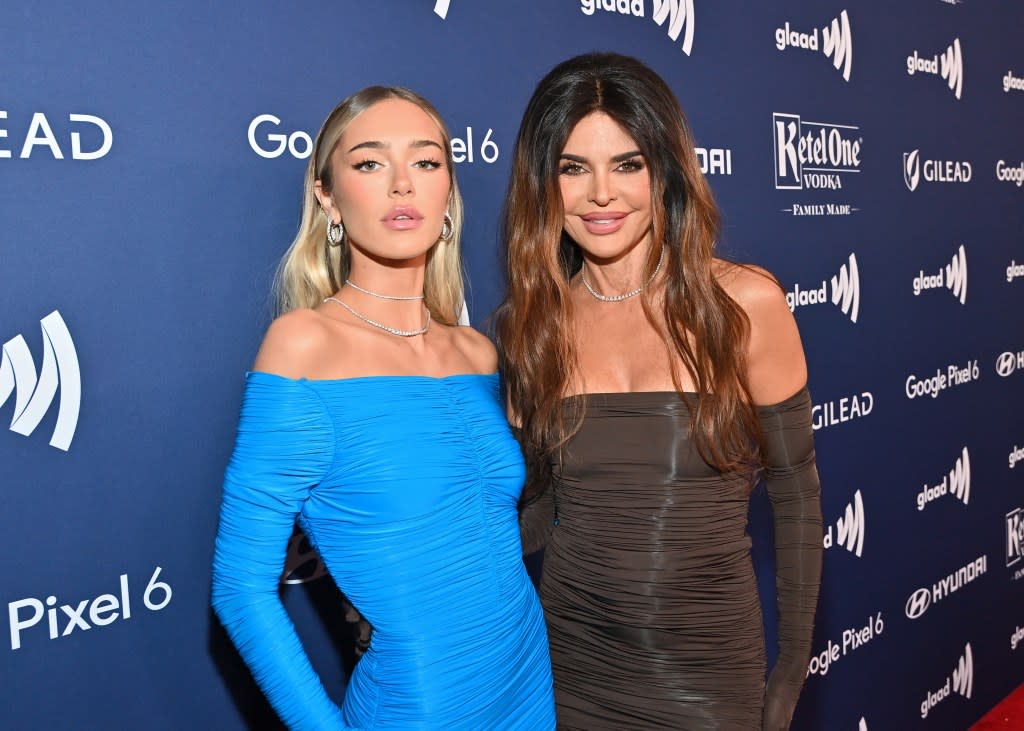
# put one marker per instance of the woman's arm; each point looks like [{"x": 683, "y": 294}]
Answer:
[
  {"x": 777, "y": 374},
  {"x": 282, "y": 450}
]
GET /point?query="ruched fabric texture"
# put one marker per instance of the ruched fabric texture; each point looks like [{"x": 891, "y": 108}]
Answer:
[
  {"x": 407, "y": 487},
  {"x": 648, "y": 586}
]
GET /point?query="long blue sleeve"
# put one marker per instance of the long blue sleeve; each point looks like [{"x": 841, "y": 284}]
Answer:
[{"x": 283, "y": 449}]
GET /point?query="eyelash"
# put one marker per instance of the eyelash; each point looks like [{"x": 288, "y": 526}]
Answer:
[
  {"x": 632, "y": 165},
  {"x": 426, "y": 164}
]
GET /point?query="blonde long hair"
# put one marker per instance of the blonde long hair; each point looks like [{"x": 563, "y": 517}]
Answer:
[{"x": 311, "y": 269}]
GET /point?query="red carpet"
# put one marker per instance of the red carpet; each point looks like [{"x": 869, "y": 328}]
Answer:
[{"x": 1006, "y": 716}]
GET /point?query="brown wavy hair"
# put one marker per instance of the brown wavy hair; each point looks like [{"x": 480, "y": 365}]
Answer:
[{"x": 707, "y": 330}]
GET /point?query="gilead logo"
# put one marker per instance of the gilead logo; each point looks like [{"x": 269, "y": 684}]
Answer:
[
  {"x": 935, "y": 171},
  {"x": 32, "y": 395},
  {"x": 40, "y": 134}
]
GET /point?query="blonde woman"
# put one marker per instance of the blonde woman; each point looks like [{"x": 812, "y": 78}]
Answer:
[{"x": 374, "y": 420}]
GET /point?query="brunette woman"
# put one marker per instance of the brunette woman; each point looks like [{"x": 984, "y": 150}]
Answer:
[{"x": 652, "y": 384}]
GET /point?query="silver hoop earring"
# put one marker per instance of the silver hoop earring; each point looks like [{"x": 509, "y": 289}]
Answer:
[
  {"x": 335, "y": 233},
  {"x": 447, "y": 228}
]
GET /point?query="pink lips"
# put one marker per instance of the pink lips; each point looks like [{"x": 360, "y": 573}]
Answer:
[
  {"x": 402, "y": 218},
  {"x": 603, "y": 222}
]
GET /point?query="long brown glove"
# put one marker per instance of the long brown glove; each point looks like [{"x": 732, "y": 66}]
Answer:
[{"x": 791, "y": 478}]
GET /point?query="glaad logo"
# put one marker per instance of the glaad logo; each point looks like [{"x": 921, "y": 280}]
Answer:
[
  {"x": 1016, "y": 455},
  {"x": 40, "y": 134},
  {"x": 950, "y": 66},
  {"x": 845, "y": 291},
  {"x": 849, "y": 527},
  {"x": 1006, "y": 363},
  {"x": 678, "y": 13},
  {"x": 955, "y": 277},
  {"x": 1012, "y": 82},
  {"x": 853, "y": 639},
  {"x": 1014, "y": 537},
  {"x": 935, "y": 171},
  {"x": 842, "y": 410},
  {"x": 838, "y": 41},
  {"x": 916, "y": 386},
  {"x": 441, "y": 8},
  {"x": 813, "y": 154},
  {"x": 1014, "y": 271},
  {"x": 1015, "y": 637},
  {"x": 962, "y": 683},
  {"x": 33, "y": 395},
  {"x": 920, "y": 600},
  {"x": 300, "y": 145},
  {"x": 956, "y": 483},
  {"x": 714, "y": 160},
  {"x": 1009, "y": 174}
]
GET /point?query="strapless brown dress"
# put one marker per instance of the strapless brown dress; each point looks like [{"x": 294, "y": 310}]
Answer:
[{"x": 648, "y": 587}]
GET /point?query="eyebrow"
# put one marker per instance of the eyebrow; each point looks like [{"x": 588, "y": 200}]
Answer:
[
  {"x": 617, "y": 158},
  {"x": 378, "y": 145}
]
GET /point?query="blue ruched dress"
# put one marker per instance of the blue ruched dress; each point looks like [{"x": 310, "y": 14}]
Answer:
[{"x": 407, "y": 486}]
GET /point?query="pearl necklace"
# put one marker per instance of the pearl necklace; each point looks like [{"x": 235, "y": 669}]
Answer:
[
  {"x": 380, "y": 325},
  {"x": 379, "y": 296},
  {"x": 627, "y": 295}
]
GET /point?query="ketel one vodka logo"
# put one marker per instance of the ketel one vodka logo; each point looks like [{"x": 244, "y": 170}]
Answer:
[
  {"x": 934, "y": 171},
  {"x": 1014, "y": 536},
  {"x": 837, "y": 42},
  {"x": 814, "y": 155},
  {"x": 950, "y": 66},
  {"x": 33, "y": 395}
]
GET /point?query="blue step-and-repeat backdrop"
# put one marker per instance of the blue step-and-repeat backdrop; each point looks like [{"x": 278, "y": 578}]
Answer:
[{"x": 870, "y": 154}]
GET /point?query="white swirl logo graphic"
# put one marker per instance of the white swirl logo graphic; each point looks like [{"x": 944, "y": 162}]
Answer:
[{"x": 33, "y": 396}]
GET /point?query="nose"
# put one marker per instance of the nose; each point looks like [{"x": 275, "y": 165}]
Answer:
[
  {"x": 401, "y": 182},
  {"x": 601, "y": 192}
]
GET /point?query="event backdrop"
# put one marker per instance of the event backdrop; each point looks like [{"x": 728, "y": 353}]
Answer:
[{"x": 870, "y": 154}]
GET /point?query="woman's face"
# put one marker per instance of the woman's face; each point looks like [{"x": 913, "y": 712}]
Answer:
[
  {"x": 390, "y": 181},
  {"x": 606, "y": 188}
]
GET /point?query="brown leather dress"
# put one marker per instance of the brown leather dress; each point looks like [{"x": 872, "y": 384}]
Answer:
[{"x": 648, "y": 587}]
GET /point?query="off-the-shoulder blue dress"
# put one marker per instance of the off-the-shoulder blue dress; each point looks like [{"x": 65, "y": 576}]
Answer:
[{"x": 407, "y": 486}]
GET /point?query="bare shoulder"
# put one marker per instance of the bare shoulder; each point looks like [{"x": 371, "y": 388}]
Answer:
[
  {"x": 293, "y": 344},
  {"x": 776, "y": 366},
  {"x": 751, "y": 286},
  {"x": 476, "y": 348}
]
